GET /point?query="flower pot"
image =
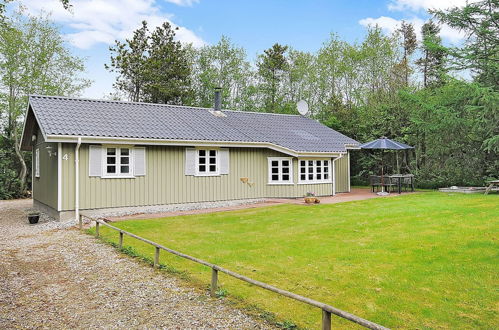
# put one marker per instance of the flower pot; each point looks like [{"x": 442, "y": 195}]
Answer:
[
  {"x": 33, "y": 218},
  {"x": 310, "y": 200}
]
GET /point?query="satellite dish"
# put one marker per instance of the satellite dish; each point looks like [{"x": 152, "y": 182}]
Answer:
[{"x": 302, "y": 107}]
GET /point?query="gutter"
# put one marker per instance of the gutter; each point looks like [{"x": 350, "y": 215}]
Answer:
[
  {"x": 189, "y": 143},
  {"x": 334, "y": 173},
  {"x": 77, "y": 179}
]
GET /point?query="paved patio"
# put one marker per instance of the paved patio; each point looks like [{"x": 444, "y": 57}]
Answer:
[{"x": 355, "y": 195}]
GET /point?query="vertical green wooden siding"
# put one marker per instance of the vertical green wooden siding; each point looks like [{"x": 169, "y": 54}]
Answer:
[
  {"x": 166, "y": 183},
  {"x": 341, "y": 172},
  {"x": 45, "y": 187}
]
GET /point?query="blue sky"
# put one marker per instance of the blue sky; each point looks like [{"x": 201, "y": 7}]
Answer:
[{"x": 93, "y": 25}]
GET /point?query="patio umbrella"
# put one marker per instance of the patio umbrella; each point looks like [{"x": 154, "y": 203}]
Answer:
[{"x": 384, "y": 143}]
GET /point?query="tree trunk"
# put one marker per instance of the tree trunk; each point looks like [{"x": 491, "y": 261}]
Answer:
[
  {"x": 11, "y": 101},
  {"x": 425, "y": 70},
  {"x": 398, "y": 163},
  {"x": 406, "y": 66},
  {"x": 24, "y": 169}
]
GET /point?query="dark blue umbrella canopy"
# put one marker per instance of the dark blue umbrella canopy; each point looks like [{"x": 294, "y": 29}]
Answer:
[{"x": 385, "y": 143}]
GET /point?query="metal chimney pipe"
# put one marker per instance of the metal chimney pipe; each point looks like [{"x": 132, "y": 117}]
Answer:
[{"x": 218, "y": 99}]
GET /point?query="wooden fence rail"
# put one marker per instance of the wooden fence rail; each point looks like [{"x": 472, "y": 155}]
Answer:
[{"x": 327, "y": 310}]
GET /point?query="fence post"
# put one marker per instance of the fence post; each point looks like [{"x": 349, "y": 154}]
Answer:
[
  {"x": 97, "y": 228},
  {"x": 326, "y": 320},
  {"x": 214, "y": 282},
  {"x": 121, "y": 241},
  {"x": 80, "y": 222},
  {"x": 156, "y": 258}
]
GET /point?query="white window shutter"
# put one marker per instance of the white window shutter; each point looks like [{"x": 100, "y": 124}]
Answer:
[
  {"x": 190, "y": 161},
  {"x": 224, "y": 160},
  {"x": 139, "y": 161},
  {"x": 95, "y": 161}
]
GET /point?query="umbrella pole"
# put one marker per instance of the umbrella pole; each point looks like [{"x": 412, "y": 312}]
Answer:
[
  {"x": 383, "y": 192},
  {"x": 382, "y": 180}
]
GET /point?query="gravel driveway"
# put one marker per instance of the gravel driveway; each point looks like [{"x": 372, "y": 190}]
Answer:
[{"x": 60, "y": 278}]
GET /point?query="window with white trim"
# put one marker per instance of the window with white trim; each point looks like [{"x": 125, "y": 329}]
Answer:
[
  {"x": 280, "y": 170},
  {"x": 117, "y": 162},
  {"x": 37, "y": 162},
  {"x": 207, "y": 162},
  {"x": 314, "y": 170}
]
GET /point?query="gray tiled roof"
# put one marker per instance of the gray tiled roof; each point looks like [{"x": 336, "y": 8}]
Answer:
[{"x": 102, "y": 118}]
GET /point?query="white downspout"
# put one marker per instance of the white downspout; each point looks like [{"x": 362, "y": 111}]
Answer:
[
  {"x": 77, "y": 179},
  {"x": 59, "y": 176},
  {"x": 334, "y": 174}
]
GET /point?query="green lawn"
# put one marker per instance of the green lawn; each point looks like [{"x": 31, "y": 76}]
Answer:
[{"x": 427, "y": 260}]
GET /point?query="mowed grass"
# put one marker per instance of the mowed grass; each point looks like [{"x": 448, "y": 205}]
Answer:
[{"x": 427, "y": 260}]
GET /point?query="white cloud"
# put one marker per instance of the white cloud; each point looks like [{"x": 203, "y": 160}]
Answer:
[
  {"x": 389, "y": 25},
  {"x": 416, "y": 5},
  {"x": 184, "y": 3},
  {"x": 413, "y": 7},
  {"x": 451, "y": 34},
  {"x": 103, "y": 21}
]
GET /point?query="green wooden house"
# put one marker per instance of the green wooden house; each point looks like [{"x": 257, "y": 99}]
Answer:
[{"x": 99, "y": 154}]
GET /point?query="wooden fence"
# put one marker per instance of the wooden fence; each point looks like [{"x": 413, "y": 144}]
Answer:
[{"x": 327, "y": 310}]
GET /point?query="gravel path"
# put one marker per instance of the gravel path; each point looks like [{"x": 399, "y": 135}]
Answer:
[{"x": 60, "y": 278}]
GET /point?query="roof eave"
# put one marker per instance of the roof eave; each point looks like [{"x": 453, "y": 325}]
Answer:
[
  {"x": 119, "y": 140},
  {"x": 26, "y": 140}
]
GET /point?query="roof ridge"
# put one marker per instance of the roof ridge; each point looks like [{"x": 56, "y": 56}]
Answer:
[
  {"x": 152, "y": 104},
  {"x": 114, "y": 101},
  {"x": 265, "y": 113}
]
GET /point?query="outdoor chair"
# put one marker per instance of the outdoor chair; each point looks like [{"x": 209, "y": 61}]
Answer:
[
  {"x": 408, "y": 181},
  {"x": 389, "y": 183},
  {"x": 375, "y": 181}
]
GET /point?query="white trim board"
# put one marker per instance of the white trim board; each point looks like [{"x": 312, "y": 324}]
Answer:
[
  {"x": 59, "y": 176},
  {"x": 349, "y": 186},
  {"x": 190, "y": 143}
]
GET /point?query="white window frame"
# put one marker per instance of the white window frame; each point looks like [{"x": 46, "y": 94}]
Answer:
[
  {"x": 315, "y": 172},
  {"x": 217, "y": 162},
  {"x": 280, "y": 173},
  {"x": 37, "y": 162},
  {"x": 118, "y": 173}
]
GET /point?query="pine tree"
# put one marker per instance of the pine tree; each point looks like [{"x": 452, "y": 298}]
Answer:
[
  {"x": 271, "y": 67},
  {"x": 152, "y": 67},
  {"x": 432, "y": 64},
  {"x": 480, "y": 54},
  {"x": 129, "y": 62},
  {"x": 167, "y": 78},
  {"x": 409, "y": 44}
]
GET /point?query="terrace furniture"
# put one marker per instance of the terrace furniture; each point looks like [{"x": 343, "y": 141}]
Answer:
[
  {"x": 384, "y": 143},
  {"x": 403, "y": 179},
  {"x": 388, "y": 183},
  {"x": 375, "y": 181},
  {"x": 408, "y": 181},
  {"x": 493, "y": 185}
]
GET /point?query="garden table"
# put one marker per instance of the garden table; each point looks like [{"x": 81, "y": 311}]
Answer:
[
  {"x": 491, "y": 186},
  {"x": 399, "y": 178}
]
